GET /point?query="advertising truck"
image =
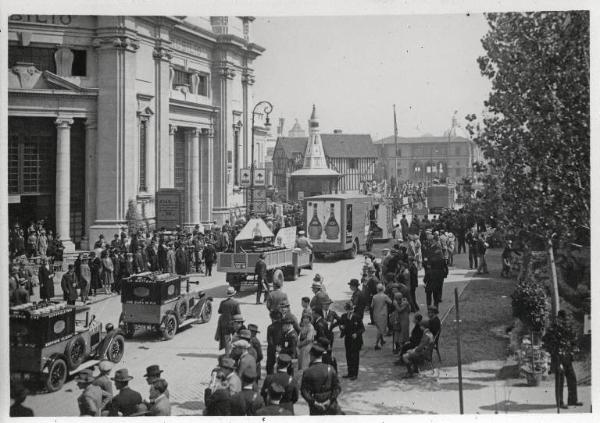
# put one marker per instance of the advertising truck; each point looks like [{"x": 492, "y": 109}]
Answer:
[{"x": 338, "y": 223}]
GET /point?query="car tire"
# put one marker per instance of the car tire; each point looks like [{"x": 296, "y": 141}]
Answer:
[
  {"x": 182, "y": 310},
  {"x": 75, "y": 352},
  {"x": 57, "y": 375},
  {"x": 206, "y": 312},
  {"x": 170, "y": 327},
  {"x": 115, "y": 349}
]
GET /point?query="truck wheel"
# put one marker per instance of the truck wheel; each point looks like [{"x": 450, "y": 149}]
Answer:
[
  {"x": 170, "y": 327},
  {"x": 57, "y": 375},
  {"x": 129, "y": 330},
  {"x": 116, "y": 348},
  {"x": 206, "y": 312},
  {"x": 75, "y": 352}
]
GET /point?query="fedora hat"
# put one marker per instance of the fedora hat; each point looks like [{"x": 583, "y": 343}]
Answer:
[
  {"x": 230, "y": 291},
  {"x": 253, "y": 328},
  {"x": 122, "y": 375},
  {"x": 353, "y": 282},
  {"x": 237, "y": 318},
  {"x": 153, "y": 370},
  {"x": 245, "y": 334}
]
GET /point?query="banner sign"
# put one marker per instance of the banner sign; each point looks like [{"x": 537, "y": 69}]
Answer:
[
  {"x": 169, "y": 208},
  {"x": 286, "y": 237}
]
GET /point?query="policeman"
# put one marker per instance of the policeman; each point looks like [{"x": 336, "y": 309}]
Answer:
[
  {"x": 284, "y": 379},
  {"x": 320, "y": 385},
  {"x": 274, "y": 407},
  {"x": 247, "y": 401}
]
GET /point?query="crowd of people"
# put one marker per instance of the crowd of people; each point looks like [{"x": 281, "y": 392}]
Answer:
[{"x": 35, "y": 241}]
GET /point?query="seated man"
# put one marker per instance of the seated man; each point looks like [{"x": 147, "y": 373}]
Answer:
[
  {"x": 415, "y": 335},
  {"x": 422, "y": 352}
]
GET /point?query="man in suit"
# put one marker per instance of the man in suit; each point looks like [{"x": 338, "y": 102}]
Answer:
[
  {"x": 274, "y": 407},
  {"x": 152, "y": 256},
  {"x": 69, "y": 285},
  {"x": 284, "y": 307},
  {"x": 181, "y": 260},
  {"x": 260, "y": 271},
  {"x": 331, "y": 318},
  {"x": 247, "y": 401},
  {"x": 139, "y": 261},
  {"x": 93, "y": 397},
  {"x": 257, "y": 347},
  {"x": 126, "y": 402},
  {"x": 274, "y": 336},
  {"x": 319, "y": 294},
  {"x": 351, "y": 329},
  {"x": 320, "y": 385},
  {"x": 245, "y": 360},
  {"x": 209, "y": 255},
  {"x": 228, "y": 308},
  {"x": 276, "y": 297},
  {"x": 283, "y": 378},
  {"x": 358, "y": 298},
  {"x": 232, "y": 380}
]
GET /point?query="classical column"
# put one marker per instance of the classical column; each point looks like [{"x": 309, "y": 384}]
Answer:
[
  {"x": 171, "y": 165},
  {"x": 63, "y": 180},
  {"x": 206, "y": 175},
  {"x": 193, "y": 173},
  {"x": 91, "y": 129}
]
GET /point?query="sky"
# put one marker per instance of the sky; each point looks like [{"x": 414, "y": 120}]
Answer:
[{"x": 354, "y": 68}]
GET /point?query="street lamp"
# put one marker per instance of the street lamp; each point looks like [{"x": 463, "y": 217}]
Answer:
[{"x": 267, "y": 109}]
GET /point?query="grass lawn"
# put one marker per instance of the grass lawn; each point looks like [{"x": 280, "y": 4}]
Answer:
[{"x": 485, "y": 304}]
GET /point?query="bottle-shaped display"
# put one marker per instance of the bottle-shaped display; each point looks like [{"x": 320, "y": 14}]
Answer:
[
  {"x": 315, "y": 229},
  {"x": 256, "y": 233},
  {"x": 332, "y": 228}
]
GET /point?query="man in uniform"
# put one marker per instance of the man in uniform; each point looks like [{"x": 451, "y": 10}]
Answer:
[
  {"x": 289, "y": 339},
  {"x": 247, "y": 401},
  {"x": 304, "y": 243},
  {"x": 273, "y": 407},
  {"x": 284, "y": 307},
  {"x": 285, "y": 380},
  {"x": 320, "y": 385},
  {"x": 352, "y": 328},
  {"x": 274, "y": 336},
  {"x": 260, "y": 271}
]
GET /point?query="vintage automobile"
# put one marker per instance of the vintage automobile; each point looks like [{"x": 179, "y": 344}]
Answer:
[
  {"x": 47, "y": 341},
  {"x": 155, "y": 301}
]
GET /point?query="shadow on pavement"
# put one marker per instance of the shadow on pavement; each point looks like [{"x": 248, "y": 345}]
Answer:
[
  {"x": 508, "y": 406},
  {"x": 196, "y": 355},
  {"x": 189, "y": 405}
]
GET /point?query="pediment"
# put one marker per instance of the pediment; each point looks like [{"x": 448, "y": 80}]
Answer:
[{"x": 25, "y": 76}]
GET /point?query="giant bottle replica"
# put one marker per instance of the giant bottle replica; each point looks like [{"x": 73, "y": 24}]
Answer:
[
  {"x": 332, "y": 228},
  {"x": 315, "y": 228}
]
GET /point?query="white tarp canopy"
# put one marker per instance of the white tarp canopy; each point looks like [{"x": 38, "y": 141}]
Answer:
[{"x": 254, "y": 227}]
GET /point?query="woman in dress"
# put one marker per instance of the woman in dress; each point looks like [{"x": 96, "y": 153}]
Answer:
[
  {"x": 402, "y": 311},
  {"x": 380, "y": 314},
  {"x": 107, "y": 272},
  {"x": 305, "y": 341}
]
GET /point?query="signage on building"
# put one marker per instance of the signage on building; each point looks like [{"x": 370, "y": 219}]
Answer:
[
  {"x": 259, "y": 177},
  {"x": 300, "y": 195},
  {"x": 43, "y": 19},
  {"x": 169, "y": 208},
  {"x": 260, "y": 207},
  {"x": 245, "y": 178}
]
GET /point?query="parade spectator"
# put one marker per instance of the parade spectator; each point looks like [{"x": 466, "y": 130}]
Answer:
[
  {"x": 471, "y": 239},
  {"x": 379, "y": 304},
  {"x": 100, "y": 243},
  {"x": 282, "y": 377},
  {"x": 414, "y": 339},
  {"x": 305, "y": 302},
  {"x": 351, "y": 329},
  {"x": 273, "y": 406},
  {"x": 227, "y": 309},
  {"x": 46, "y": 278},
  {"x": 107, "y": 274},
  {"x": 481, "y": 248},
  {"x": 217, "y": 399},
  {"x": 255, "y": 343},
  {"x": 152, "y": 256},
  {"x": 451, "y": 243},
  {"x": 331, "y": 318},
  {"x": 209, "y": 255},
  {"x": 305, "y": 341},
  {"x": 93, "y": 397},
  {"x": 69, "y": 285},
  {"x": 26, "y": 276},
  {"x": 404, "y": 227},
  {"x": 162, "y": 256},
  {"x": 245, "y": 361},
  {"x": 103, "y": 380},
  {"x": 507, "y": 257},
  {"x": 20, "y": 295},
  {"x": 42, "y": 243},
  {"x": 84, "y": 278},
  {"x": 436, "y": 272},
  {"x": 232, "y": 380},
  {"x": 276, "y": 297},
  {"x": 319, "y": 294},
  {"x": 31, "y": 244},
  {"x": 181, "y": 260},
  {"x": 153, "y": 373},
  {"x": 320, "y": 386},
  {"x": 260, "y": 273},
  {"x": 18, "y": 394},
  {"x": 247, "y": 401},
  {"x": 358, "y": 299},
  {"x": 96, "y": 269},
  {"x": 158, "y": 404},
  {"x": 400, "y": 320},
  {"x": 286, "y": 312},
  {"x": 171, "y": 258},
  {"x": 434, "y": 323},
  {"x": 127, "y": 401},
  {"x": 274, "y": 335},
  {"x": 415, "y": 356},
  {"x": 289, "y": 338}
]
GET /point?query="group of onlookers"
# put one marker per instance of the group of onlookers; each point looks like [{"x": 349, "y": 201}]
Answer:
[{"x": 34, "y": 241}]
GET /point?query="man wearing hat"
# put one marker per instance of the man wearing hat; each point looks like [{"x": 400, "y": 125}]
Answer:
[
  {"x": 260, "y": 272},
  {"x": 286, "y": 312},
  {"x": 127, "y": 400},
  {"x": 304, "y": 243},
  {"x": 239, "y": 352},
  {"x": 247, "y": 401},
  {"x": 289, "y": 339},
  {"x": 284, "y": 379},
  {"x": 18, "y": 394},
  {"x": 274, "y": 406},
  {"x": 330, "y": 317},
  {"x": 274, "y": 336},
  {"x": 276, "y": 297},
  {"x": 320, "y": 385},
  {"x": 231, "y": 380},
  {"x": 103, "y": 381},
  {"x": 257, "y": 347},
  {"x": 158, "y": 404},
  {"x": 228, "y": 308},
  {"x": 84, "y": 275},
  {"x": 358, "y": 298},
  {"x": 216, "y": 397},
  {"x": 93, "y": 398},
  {"x": 19, "y": 295},
  {"x": 352, "y": 328},
  {"x": 319, "y": 294},
  {"x": 327, "y": 356},
  {"x": 69, "y": 285},
  {"x": 153, "y": 373}
]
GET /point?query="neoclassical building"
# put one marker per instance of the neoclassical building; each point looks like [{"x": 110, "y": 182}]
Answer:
[{"x": 106, "y": 110}]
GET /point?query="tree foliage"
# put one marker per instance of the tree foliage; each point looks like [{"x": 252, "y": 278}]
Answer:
[
  {"x": 529, "y": 304},
  {"x": 536, "y": 132}
]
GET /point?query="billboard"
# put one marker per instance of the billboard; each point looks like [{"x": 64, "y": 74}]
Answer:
[
  {"x": 324, "y": 221},
  {"x": 169, "y": 208}
]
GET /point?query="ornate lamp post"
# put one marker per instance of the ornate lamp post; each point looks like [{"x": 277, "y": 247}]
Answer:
[{"x": 267, "y": 109}]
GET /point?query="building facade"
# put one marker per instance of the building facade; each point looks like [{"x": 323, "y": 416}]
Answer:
[
  {"x": 423, "y": 159},
  {"x": 106, "y": 110},
  {"x": 353, "y": 156}
]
